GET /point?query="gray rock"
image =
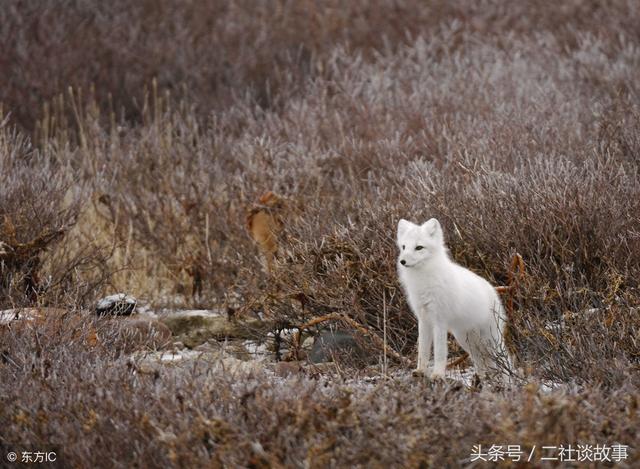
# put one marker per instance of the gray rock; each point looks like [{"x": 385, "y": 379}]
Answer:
[{"x": 330, "y": 344}]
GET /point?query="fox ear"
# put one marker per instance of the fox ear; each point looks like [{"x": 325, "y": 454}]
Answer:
[
  {"x": 432, "y": 227},
  {"x": 403, "y": 226}
]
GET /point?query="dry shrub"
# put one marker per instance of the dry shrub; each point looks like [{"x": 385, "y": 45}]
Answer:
[
  {"x": 89, "y": 406},
  {"x": 466, "y": 130},
  {"x": 559, "y": 190},
  {"x": 38, "y": 206},
  {"x": 214, "y": 52}
]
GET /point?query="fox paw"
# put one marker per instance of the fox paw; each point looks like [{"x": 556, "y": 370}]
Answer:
[
  {"x": 418, "y": 373},
  {"x": 476, "y": 382},
  {"x": 436, "y": 376}
]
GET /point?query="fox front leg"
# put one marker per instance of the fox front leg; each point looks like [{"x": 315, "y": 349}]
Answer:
[
  {"x": 425, "y": 339},
  {"x": 439, "y": 352}
]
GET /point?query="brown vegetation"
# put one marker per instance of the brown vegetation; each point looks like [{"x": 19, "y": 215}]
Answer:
[
  {"x": 264, "y": 224},
  {"x": 134, "y": 137}
]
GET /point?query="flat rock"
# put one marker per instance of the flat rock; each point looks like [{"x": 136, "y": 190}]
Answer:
[
  {"x": 212, "y": 360},
  {"x": 195, "y": 329}
]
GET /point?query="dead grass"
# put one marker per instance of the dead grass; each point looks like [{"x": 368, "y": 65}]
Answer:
[{"x": 88, "y": 405}]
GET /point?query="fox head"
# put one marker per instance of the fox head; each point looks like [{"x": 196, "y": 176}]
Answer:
[{"x": 419, "y": 243}]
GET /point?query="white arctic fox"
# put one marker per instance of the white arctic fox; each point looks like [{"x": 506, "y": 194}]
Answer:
[{"x": 445, "y": 296}]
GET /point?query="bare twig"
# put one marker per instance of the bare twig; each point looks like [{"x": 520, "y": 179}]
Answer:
[{"x": 384, "y": 332}]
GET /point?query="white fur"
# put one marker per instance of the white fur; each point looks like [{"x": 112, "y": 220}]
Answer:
[{"x": 445, "y": 296}]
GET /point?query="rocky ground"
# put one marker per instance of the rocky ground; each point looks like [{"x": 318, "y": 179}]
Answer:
[{"x": 179, "y": 338}]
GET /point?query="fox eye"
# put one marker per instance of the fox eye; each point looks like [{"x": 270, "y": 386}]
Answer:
[
  {"x": 419, "y": 248},
  {"x": 403, "y": 247}
]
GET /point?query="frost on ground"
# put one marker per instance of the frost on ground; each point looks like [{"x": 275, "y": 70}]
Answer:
[{"x": 197, "y": 407}]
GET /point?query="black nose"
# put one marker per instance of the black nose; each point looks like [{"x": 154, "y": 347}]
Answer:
[{"x": 403, "y": 262}]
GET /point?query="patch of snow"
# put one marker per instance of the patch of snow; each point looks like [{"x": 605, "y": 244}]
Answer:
[
  {"x": 553, "y": 325},
  {"x": 465, "y": 376},
  {"x": 207, "y": 313},
  {"x": 284, "y": 333},
  {"x": 256, "y": 348},
  {"x": 197, "y": 312},
  {"x": 7, "y": 316},
  {"x": 110, "y": 300},
  {"x": 550, "y": 386},
  {"x": 145, "y": 310},
  {"x": 179, "y": 355}
]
